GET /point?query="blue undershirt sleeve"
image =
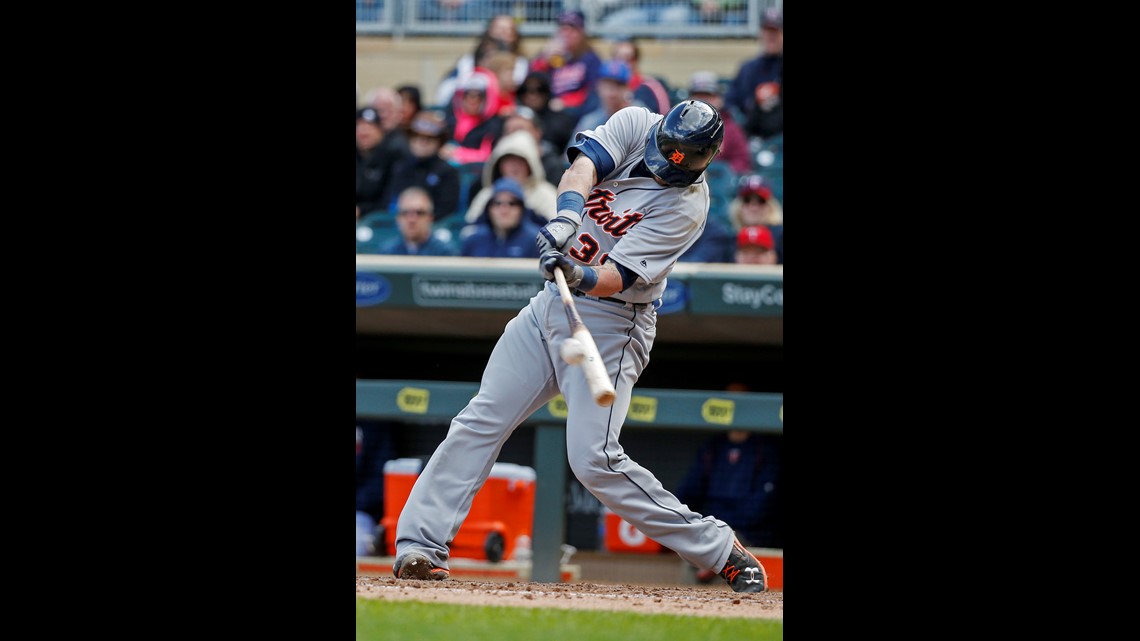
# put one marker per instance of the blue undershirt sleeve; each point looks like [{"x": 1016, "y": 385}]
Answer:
[
  {"x": 627, "y": 276},
  {"x": 603, "y": 163}
]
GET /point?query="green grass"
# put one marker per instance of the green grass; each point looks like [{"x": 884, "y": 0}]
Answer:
[{"x": 412, "y": 621}]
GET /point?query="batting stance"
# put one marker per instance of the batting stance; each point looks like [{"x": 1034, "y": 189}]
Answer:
[{"x": 632, "y": 201}]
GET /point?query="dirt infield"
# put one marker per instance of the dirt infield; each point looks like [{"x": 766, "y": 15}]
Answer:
[{"x": 714, "y": 600}]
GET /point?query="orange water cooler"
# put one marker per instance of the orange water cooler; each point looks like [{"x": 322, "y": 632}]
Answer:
[
  {"x": 502, "y": 512},
  {"x": 623, "y": 537}
]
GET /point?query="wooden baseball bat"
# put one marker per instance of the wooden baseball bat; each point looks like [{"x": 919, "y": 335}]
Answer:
[{"x": 592, "y": 366}]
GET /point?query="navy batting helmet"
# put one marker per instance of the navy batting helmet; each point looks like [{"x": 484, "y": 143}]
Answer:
[{"x": 681, "y": 145}]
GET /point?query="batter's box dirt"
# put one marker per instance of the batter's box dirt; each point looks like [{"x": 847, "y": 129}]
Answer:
[{"x": 715, "y": 601}]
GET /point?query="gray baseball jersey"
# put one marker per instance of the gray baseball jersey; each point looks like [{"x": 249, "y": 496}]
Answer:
[
  {"x": 633, "y": 220},
  {"x": 644, "y": 227}
]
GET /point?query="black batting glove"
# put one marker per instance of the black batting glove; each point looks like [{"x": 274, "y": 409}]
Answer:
[
  {"x": 553, "y": 260},
  {"x": 555, "y": 235}
]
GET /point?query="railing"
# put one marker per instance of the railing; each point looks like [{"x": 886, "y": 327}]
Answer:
[{"x": 613, "y": 18}]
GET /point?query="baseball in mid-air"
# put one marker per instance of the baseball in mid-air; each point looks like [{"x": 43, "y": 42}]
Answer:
[{"x": 572, "y": 350}]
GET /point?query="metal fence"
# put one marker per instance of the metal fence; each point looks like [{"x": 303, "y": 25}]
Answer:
[{"x": 604, "y": 18}]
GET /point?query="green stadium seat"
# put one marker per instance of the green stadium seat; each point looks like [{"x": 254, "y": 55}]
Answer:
[
  {"x": 470, "y": 177},
  {"x": 722, "y": 189},
  {"x": 373, "y": 230}
]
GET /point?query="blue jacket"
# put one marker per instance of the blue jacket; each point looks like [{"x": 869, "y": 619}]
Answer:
[
  {"x": 375, "y": 444},
  {"x": 741, "y": 488},
  {"x": 433, "y": 247},
  {"x": 483, "y": 242},
  {"x": 741, "y": 94}
]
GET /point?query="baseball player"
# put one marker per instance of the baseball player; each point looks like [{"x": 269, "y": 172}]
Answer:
[{"x": 632, "y": 201}]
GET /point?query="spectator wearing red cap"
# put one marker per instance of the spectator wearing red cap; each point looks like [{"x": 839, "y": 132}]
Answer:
[
  {"x": 755, "y": 246},
  {"x": 571, "y": 62},
  {"x": 756, "y": 205}
]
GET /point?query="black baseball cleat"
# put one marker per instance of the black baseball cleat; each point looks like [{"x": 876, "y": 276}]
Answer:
[
  {"x": 417, "y": 566},
  {"x": 743, "y": 571}
]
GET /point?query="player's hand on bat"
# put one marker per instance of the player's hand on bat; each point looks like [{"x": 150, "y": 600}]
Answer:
[
  {"x": 555, "y": 235},
  {"x": 553, "y": 260}
]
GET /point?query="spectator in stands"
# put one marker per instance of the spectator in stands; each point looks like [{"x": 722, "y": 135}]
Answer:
[
  {"x": 501, "y": 34},
  {"x": 410, "y": 105},
  {"x": 571, "y": 62},
  {"x": 756, "y": 93},
  {"x": 553, "y": 160},
  {"x": 737, "y": 476},
  {"x": 613, "y": 94},
  {"x": 390, "y": 106},
  {"x": 415, "y": 217},
  {"x": 704, "y": 85},
  {"x": 504, "y": 229},
  {"x": 756, "y": 204},
  {"x": 516, "y": 156},
  {"x": 755, "y": 246},
  {"x": 373, "y": 164},
  {"x": 425, "y": 167},
  {"x": 502, "y": 64},
  {"x": 651, "y": 91},
  {"x": 475, "y": 104},
  {"x": 557, "y": 125},
  {"x": 375, "y": 445}
]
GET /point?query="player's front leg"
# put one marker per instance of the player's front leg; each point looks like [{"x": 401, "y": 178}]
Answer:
[{"x": 515, "y": 383}]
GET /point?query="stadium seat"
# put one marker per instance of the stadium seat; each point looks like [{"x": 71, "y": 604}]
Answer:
[
  {"x": 722, "y": 189},
  {"x": 470, "y": 177},
  {"x": 768, "y": 161},
  {"x": 373, "y": 230}
]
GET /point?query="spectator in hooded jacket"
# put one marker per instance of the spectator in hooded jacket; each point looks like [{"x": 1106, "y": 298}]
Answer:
[
  {"x": 472, "y": 118},
  {"x": 554, "y": 162},
  {"x": 505, "y": 229},
  {"x": 516, "y": 156}
]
